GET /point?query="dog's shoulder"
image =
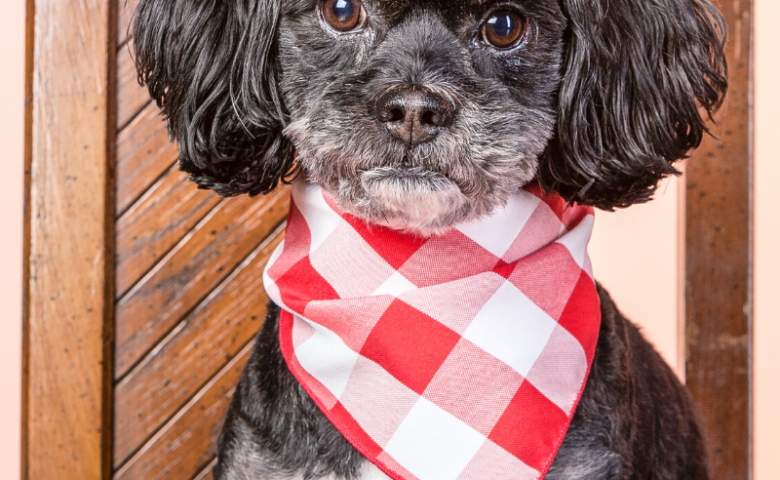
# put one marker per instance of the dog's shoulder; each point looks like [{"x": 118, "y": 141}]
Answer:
[
  {"x": 274, "y": 431},
  {"x": 634, "y": 414}
]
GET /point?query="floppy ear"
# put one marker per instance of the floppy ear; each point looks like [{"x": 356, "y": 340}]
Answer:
[
  {"x": 636, "y": 74},
  {"x": 211, "y": 67}
]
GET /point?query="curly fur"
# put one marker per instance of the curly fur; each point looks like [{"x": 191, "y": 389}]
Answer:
[
  {"x": 598, "y": 102},
  {"x": 610, "y": 90},
  {"x": 637, "y": 72}
]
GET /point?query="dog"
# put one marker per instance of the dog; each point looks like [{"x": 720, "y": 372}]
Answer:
[{"x": 423, "y": 114}]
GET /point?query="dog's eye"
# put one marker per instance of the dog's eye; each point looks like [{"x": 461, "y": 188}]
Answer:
[
  {"x": 343, "y": 15},
  {"x": 503, "y": 29}
]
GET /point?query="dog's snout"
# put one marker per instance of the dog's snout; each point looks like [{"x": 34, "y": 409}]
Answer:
[{"x": 413, "y": 116}]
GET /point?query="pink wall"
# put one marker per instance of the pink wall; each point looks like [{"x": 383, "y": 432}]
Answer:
[
  {"x": 12, "y": 21},
  {"x": 767, "y": 254},
  {"x": 635, "y": 256}
]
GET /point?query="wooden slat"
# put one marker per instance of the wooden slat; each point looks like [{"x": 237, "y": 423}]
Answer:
[
  {"x": 207, "y": 473},
  {"x": 126, "y": 8},
  {"x": 144, "y": 153},
  {"x": 68, "y": 296},
  {"x": 131, "y": 96},
  {"x": 187, "y": 443},
  {"x": 167, "y": 212},
  {"x": 718, "y": 265},
  {"x": 189, "y": 273},
  {"x": 180, "y": 366}
]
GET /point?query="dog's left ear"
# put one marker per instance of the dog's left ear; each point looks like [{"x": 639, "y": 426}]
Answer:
[
  {"x": 636, "y": 74},
  {"x": 211, "y": 67}
]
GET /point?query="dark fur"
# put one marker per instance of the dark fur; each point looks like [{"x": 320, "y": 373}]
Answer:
[
  {"x": 624, "y": 80},
  {"x": 634, "y": 421},
  {"x": 598, "y": 102}
]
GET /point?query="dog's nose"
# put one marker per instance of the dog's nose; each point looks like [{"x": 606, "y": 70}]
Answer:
[{"x": 413, "y": 116}]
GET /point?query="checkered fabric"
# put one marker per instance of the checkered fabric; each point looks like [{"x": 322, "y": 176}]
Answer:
[{"x": 461, "y": 356}]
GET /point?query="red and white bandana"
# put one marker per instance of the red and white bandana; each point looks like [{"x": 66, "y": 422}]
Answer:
[{"x": 457, "y": 357}]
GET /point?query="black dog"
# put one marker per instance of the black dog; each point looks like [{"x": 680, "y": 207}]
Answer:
[{"x": 421, "y": 114}]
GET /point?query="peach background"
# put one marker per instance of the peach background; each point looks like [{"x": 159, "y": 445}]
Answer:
[
  {"x": 12, "y": 21},
  {"x": 635, "y": 256},
  {"x": 634, "y": 251},
  {"x": 767, "y": 254}
]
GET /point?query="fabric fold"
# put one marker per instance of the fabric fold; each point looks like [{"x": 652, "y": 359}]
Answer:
[{"x": 456, "y": 357}]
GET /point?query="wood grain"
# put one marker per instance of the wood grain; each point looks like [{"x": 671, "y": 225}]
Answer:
[
  {"x": 131, "y": 96},
  {"x": 187, "y": 443},
  {"x": 718, "y": 288},
  {"x": 68, "y": 215},
  {"x": 144, "y": 154},
  {"x": 126, "y": 9},
  {"x": 190, "y": 271},
  {"x": 156, "y": 223},
  {"x": 207, "y": 473},
  {"x": 214, "y": 332}
]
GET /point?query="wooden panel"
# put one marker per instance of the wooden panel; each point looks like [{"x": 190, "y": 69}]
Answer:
[
  {"x": 166, "y": 213},
  {"x": 718, "y": 265},
  {"x": 68, "y": 296},
  {"x": 184, "y": 361},
  {"x": 131, "y": 96},
  {"x": 187, "y": 443},
  {"x": 144, "y": 154},
  {"x": 189, "y": 273},
  {"x": 126, "y": 9},
  {"x": 207, "y": 474}
]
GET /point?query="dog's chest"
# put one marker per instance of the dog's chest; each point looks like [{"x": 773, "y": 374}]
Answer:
[{"x": 461, "y": 354}]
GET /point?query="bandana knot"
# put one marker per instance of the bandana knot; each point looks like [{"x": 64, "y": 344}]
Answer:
[{"x": 456, "y": 357}]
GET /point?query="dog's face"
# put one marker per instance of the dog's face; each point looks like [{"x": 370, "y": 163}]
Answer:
[
  {"x": 420, "y": 114},
  {"x": 423, "y": 113}
]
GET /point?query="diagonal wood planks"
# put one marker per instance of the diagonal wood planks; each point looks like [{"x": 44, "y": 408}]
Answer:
[
  {"x": 184, "y": 447},
  {"x": 189, "y": 294},
  {"x": 125, "y": 12},
  {"x": 207, "y": 473},
  {"x": 131, "y": 96},
  {"x": 155, "y": 225},
  {"x": 191, "y": 271},
  {"x": 181, "y": 364},
  {"x": 144, "y": 154}
]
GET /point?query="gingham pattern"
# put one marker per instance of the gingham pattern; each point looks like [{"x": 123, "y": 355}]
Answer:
[{"x": 462, "y": 356}]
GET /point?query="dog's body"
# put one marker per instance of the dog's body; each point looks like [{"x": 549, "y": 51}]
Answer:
[
  {"x": 420, "y": 115},
  {"x": 634, "y": 421}
]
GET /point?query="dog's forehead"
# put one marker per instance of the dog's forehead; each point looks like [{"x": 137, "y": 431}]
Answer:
[{"x": 394, "y": 10}]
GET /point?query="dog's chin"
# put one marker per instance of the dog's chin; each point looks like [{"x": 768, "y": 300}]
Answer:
[{"x": 409, "y": 199}]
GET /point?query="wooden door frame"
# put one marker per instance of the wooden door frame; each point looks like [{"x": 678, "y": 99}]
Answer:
[
  {"x": 68, "y": 285},
  {"x": 719, "y": 263},
  {"x": 69, "y": 220}
]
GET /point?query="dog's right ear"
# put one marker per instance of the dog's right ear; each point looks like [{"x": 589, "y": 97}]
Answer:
[
  {"x": 211, "y": 67},
  {"x": 641, "y": 79}
]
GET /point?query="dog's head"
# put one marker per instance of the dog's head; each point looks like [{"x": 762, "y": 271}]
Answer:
[{"x": 424, "y": 113}]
